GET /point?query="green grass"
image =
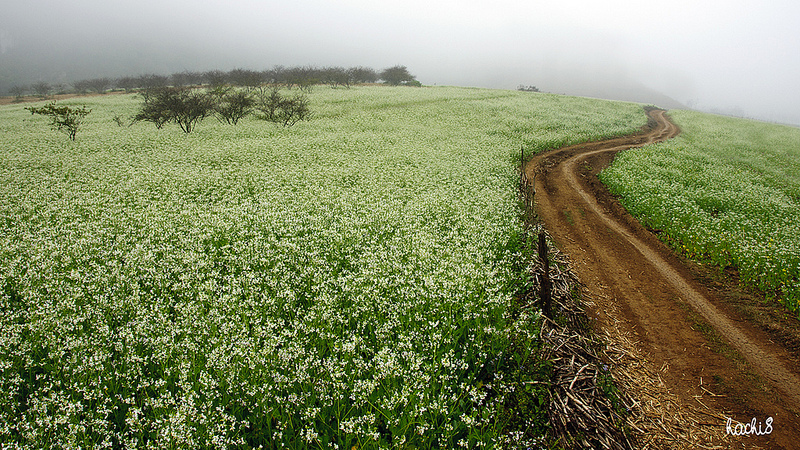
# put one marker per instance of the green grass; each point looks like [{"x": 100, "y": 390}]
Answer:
[
  {"x": 345, "y": 282},
  {"x": 727, "y": 192}
]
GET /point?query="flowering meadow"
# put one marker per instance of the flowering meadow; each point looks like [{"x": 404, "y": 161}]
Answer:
[
  {"x": 726, "y": 191},
  {"x": 344, "y": 283}
]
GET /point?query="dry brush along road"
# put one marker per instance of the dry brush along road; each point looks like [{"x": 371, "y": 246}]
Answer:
[{"x": 703, "y": 349}]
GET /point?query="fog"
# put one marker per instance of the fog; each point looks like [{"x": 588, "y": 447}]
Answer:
[{"x": 733, "y": 57}]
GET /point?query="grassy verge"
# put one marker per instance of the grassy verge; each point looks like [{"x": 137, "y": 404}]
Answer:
[{"x": 727, "y": 192}]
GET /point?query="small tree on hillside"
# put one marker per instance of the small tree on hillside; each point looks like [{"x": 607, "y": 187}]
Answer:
[
  {"x": 231, "y": 106},
  {"x": 154, "y": 108},
  {"x": 281, "y": 110},
  {"x": 127, "y": 83},
  {"x": 41, "y": 89},
  {"x": 363, "y": 75},
  {"x": 185, "y": 107},
  {"x": 294, "y": 110},
  {"x": 63, "y": 118},
  {"x": 99, "y": 85},
  {"x": 80, "y": 87},
  {"x": 151, "y": 81},
  {"x": 303, "y": 77},
  {"x": 249, "y": 79},
  {"x": 336, "y": 76},
  {"x": 191, "y": 108},
  {"x": 215, "y": 78},
  {"x": 18, "y": 92},
  {"x": 188, "y": 107},
  {"x": 269, "y": 102},
  {"x": 186, "y": 78},
  {"x": 397, "y": 75}
]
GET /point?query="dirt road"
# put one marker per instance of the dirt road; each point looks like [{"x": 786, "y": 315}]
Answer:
[{"x": 703, "y": 349}]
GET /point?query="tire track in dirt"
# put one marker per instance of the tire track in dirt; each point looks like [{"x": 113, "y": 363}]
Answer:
[{"x": 626, "y": 269}]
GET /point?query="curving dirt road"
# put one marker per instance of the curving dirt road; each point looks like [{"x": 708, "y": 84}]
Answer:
[{"x": 704, "y": 351}]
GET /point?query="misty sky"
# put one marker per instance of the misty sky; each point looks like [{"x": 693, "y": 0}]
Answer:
[{"x": 739, "y": 57}]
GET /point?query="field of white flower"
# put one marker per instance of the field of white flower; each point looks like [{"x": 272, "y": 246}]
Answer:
[
  {"x": 343, "y": 283},
  {"x": 726, "y": 191}
]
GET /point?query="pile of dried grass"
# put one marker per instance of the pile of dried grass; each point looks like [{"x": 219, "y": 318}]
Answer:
[
  {"x": 659, "y": 418},
  {"x": 585, "y": 411},
  {"x": 604, "y": 393}
]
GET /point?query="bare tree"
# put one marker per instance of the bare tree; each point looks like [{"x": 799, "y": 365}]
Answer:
[
  {"x": 245, "y": 78},
  {"x": 336, "y": 76},
  {"x": 99, "y": 85},
  {"x": 151, "y": 81},
  {"x": 190, "y": 107},
  {"x": 186, "y": 78},
  {"x": 127, "y": 83},
  {"x": 303, "y": 77},
  {"x": 215, "y": 77},
  {"x": 81, "y": 87},
  {"x": 18, "y": 92},
  {"x": 41, "y": 89},
  {"x": 269, "y": 102},
  {"x": 276, "y": 75}
]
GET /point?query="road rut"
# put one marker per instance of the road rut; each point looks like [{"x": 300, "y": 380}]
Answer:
[{"x": 625, "y": 268}]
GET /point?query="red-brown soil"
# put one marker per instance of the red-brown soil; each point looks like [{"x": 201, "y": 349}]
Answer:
[{"x": 694, "y": 327}]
